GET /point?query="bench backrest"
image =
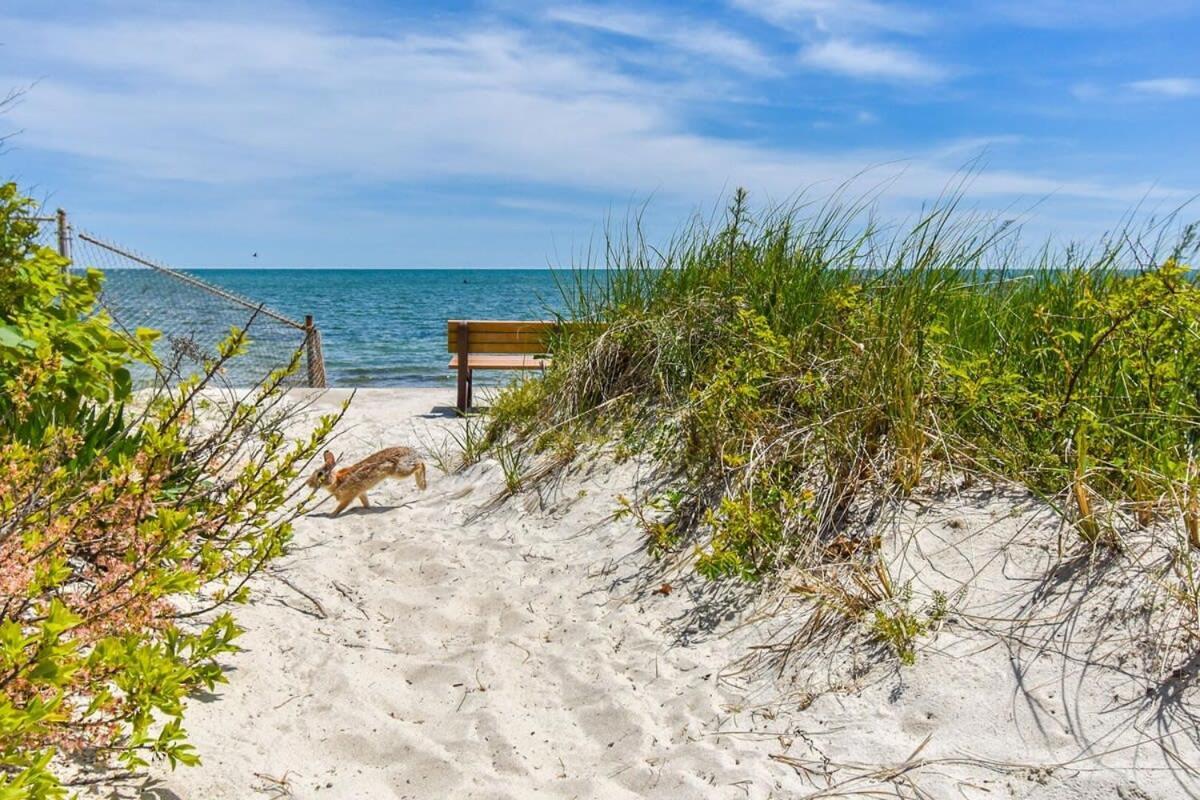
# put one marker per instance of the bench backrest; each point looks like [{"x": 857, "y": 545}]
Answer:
[{"x": 500, "y": 336}]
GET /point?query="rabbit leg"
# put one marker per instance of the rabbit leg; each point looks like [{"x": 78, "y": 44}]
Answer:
[
  {"x": 341, "y": 506},
  {"x": 363, "y": 497}
]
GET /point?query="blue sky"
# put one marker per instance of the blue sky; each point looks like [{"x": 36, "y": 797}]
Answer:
[{"x": 504, "y": 133}]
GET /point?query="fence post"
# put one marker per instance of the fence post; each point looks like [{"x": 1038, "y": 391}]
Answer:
[
  {"x": 313, "y": 355},
  {"x": 64, "y": 235}
]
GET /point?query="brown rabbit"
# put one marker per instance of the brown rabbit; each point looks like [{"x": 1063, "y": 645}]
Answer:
[{"x": 354, "y": 481}]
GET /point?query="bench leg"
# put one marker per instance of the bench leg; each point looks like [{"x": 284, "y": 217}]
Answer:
[
  {"x": 465, "y": 386},
  {"x": 464, "y": 390},
  {"x": 464, "y": 370}
]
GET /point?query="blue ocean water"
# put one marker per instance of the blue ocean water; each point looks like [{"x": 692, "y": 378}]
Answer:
[{"x": 387, "y": 327}]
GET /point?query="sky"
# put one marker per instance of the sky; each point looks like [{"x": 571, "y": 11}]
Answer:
[{"x": 508, "y": 133}]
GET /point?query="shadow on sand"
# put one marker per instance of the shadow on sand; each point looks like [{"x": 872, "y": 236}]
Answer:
[
  {"x": 359, "y": 511},
  {"x": 440, "y": 412}
]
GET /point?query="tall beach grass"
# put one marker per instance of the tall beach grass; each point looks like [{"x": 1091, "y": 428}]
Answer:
[{"x": 792, "y": 369}]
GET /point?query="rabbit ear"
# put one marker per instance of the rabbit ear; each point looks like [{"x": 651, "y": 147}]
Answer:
[{"x": 329, "y": 459}]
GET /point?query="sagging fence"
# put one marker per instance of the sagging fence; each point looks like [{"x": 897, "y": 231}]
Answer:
[{"x": 193, "y": 315}]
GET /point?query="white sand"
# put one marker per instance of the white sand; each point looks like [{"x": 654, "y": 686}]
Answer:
[
  {"x": 495, "y": 659},
  {"x": 521, "y": 654}
]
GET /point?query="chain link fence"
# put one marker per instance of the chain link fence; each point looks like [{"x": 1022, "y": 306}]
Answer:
[{"x": 194, "y": 316}]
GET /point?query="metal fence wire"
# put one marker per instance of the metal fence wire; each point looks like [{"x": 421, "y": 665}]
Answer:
[{"x": 193, "y": 316}]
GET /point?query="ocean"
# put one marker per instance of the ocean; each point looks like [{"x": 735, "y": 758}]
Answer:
[{"x": 387, "y": 327}]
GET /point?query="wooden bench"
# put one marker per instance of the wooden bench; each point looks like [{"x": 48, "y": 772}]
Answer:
[{"x": 495, "y": 344}]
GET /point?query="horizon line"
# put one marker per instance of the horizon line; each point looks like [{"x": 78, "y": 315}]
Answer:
[{"x": 383, "y": 269}]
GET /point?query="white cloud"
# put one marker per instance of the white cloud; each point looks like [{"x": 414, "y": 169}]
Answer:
[
  {"x": 244, "y": 104},
  {"x": 1167, "y": 87},
  {"x": 841, "y": 36},
  {"x": 707, "y": 41},
  {"x": 870, "y": 61},
  {"x": 839, "y": 16}
]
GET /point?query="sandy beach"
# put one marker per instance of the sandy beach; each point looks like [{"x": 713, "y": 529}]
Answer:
[
  {"x": 440, "y": 644},
  {"x": 511, "y": 656}
]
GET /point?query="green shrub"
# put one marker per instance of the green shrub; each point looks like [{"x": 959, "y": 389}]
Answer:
[
  {"x": 54, "y": 351},
  {"x": 117, "y": 525}
]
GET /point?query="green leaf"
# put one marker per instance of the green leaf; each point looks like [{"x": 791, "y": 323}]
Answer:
[{"x": 11, "y": 337}]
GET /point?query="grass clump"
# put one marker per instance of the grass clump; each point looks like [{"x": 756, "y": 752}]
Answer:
[
  {"x": 793, "y": 369},
  {"x": 512, "y": 465},
  {"x": 897, "y": 625}
]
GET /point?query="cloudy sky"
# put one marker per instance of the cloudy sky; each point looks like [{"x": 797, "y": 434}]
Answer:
[{"x": 506, "y": 132}]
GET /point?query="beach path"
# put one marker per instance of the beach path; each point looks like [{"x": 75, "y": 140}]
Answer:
[{"x": 405, "y": 651}]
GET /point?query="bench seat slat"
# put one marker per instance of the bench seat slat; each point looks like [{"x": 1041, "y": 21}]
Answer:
[
  {"x": 484, "y": 342},
  {"x": 503, "y": 326},
  {"x": 528, "y": 348},
  {"x": 501, "y": 361},
  {"x": 514, "y": 336}
]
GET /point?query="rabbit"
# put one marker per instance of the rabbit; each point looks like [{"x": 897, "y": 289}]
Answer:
[{"x": 354, "y": 481}]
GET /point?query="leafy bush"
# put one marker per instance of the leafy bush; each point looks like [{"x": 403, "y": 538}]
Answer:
[
  {"x": 53, "y": 350},
  {"x": 127, "y": 523}
]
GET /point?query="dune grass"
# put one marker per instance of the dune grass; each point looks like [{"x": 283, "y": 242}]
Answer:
[{"x": 791, "y": 370}]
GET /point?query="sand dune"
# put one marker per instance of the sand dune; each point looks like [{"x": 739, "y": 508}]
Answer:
[{"x": 420, "y": 649}]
